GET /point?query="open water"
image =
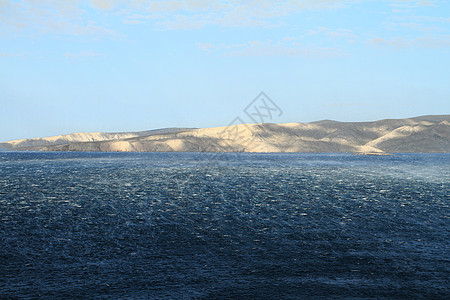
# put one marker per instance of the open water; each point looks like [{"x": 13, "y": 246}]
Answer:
[{"x": 215, "y": 226}]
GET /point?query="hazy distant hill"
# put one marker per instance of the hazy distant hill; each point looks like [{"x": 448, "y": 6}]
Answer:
[
  {"x": 82, "y": 137},
  {"x": 425, "y": 134}
]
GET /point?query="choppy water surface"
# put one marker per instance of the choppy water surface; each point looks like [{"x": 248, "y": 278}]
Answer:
[{"x": 161, "y": 225}]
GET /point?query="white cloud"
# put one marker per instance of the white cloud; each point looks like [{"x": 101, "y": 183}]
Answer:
[
  {"x": 84, "y": 55},
  {"x": 48, "y": 16},
  {"x": 207, "y": 47},
  {"x": 283, "y": 47},
  {"x": 15, "y": 54},
  {"x": 72, "y": 16},
  {"x": 434, "y": 41},
  {"x": 413, "y": 3},
  {"x": 333, "y": 33},
  {"x": 396, "y": 42},
  {"x": 6, "y": 54},
  {"x": 418, "y": 23},
  {"x": 194, "y": 14},
  {"x": 427, "y": 41}
]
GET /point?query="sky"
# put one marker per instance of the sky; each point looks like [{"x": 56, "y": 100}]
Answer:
[{"x": 130, "y": 65}]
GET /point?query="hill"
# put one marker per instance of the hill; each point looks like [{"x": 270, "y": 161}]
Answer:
[{"x": 424, "y": 134}]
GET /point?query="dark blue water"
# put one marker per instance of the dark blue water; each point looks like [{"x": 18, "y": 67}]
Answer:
[{"x": 284, "y": 226}]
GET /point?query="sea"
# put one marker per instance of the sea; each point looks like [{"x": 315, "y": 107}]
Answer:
[{"x": 224, "y": 226}]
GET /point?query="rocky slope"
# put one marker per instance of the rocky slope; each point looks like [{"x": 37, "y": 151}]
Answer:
[
  {"x": 81, "y": 137},
  {"x": 426, "y": 134}
]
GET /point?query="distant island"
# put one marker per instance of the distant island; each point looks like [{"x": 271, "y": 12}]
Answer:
[{"x": 424, "y": 134}]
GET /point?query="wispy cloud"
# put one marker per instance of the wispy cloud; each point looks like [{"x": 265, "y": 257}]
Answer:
[
  {"x": 417, "y": 23},
  {"x": 433, "y": 41},
  {"x": 413, "y": 3},
  {"x": 396, "y": 42},
  {"x": 48, "y": 17},
  {"x": 14, "y": 54},
  {"x": 194, "y": 14},
  {"x": 335, "y": 35},
  {"x": 285, "y": 47},
  {"x": 408, "y": 27},
  {"x": 84, "y": 55},
  {"x": 427, "y": 41},
  {"x": 71, "y": 17},
  {"x": 207, "y": 47},
  {"x": 7, "y": 54},
  {"x": 408, "y": 6},
  {"x": 340, "y": 32},
  {"x": 90, "y": 18}
]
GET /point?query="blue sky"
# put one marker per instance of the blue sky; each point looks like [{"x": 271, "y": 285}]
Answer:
[{"x": 125, "y": 65}]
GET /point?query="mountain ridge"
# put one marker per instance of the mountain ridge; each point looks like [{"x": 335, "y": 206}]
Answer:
[{"x": 422, "y": 134}]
